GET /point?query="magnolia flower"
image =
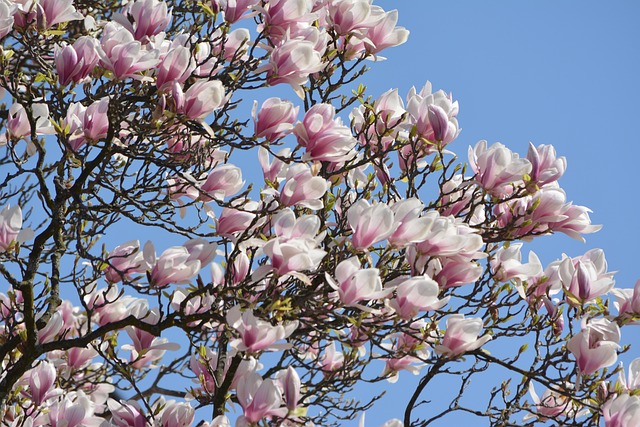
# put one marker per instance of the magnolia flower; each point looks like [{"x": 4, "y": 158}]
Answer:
[
  {"x": 324, "y": 136},
  {"x": 223, "y": 181},
  {"x": 595, "y": 346},
  {"x": 126, "y": 414},
  {"x": 41, "y": 383},
  {"x": 272, "y": 169},
  {"x": 53, "y": 12},
  {"x": 448, "y": 236},
  {"x": 234, "y": 10},
  {"x": 370, "y": 223},
  {"x": 388, "y": 112},
  {"x": 95, "y": 120},
  {"x": 145, "y": 18},
  {"x": 201, "y": 99},
  {"x": 303, "y": 188},
  {"x": 18, "y": 124},
  {"x": 74, "y": 410},
  {"x": 255, "y": 334},
  {"x": 622, "y": 411},
  {"x": 201, "y": 250},
  {"x": 393, "y": 366},
  {"x": 259, "y": 398},
  {"x": 11, "y": 231},
  {"x": 545, "y": 166},
  {"x": 292, "y": 62},
  {"x": 293, "y": 255},
  {"x": 434, "y": 117},
  {"x": 408, "y": 226},
  {"x": 552, "y": 403},
  {"x": 497, "y": 169},
  {"x": 55, "y": 326},
  {"x": 175, "y": 265},
  {"x": 627, "y": 301},
  {"x": 345, "y": 16},
  {"x": 75, "y": 62},
  {"x": 290, "y": 384},
  {"x": 237, "y": 220},
  {"x": 461, "y": 336},
  {"x": 146, "y": 348},
  {"x": 632, "y": 381},
  {"x": 123, "y": 55},
  {"x": 355, "y": 284},
  {"x": 583, "y": 280},
  {"x": 416, "y": 294},
  {"x": 576, "y": 222},
  {"x": 544, "y": 212},
  {"x": 381, "y": 32},
  {"x": 458, "y": 196},
  {"x": 332, "y": 359},
  {"x": 506, "y": 264},
  {"x": 407, "y": 352},
  {"x": 7, "y": 9},
  {"x": 219, "y": 421},
  {"x": 295, "y": 247},
  {"x": 175, "y": 66},
  {"x": 275, "y": 118},
  {"x": 177, "y": 414},
  {"x": 124, "y": 261},
  {"x": 285, "y": 18}
]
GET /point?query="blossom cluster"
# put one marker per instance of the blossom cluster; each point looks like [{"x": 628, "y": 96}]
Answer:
[{"x": 359, "y": 247}]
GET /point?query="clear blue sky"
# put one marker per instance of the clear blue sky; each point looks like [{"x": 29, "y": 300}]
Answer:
[{"x": 552, "y": 72}]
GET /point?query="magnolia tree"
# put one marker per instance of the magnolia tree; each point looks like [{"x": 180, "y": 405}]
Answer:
[{"x": 362, "y": 250}]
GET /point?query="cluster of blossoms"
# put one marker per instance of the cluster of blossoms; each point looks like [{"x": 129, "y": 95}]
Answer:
[{"x": 335, "y": 265}]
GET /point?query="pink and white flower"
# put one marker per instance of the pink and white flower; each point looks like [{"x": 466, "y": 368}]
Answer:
[
  {"x": 53, "y": 12},
  {"x": 381, "y": 32},
  {"x": 145, "y": 18},
  {"x": 123, "y": 55},
  {"x": 622, "y": 411},
  {"x": 303, "y": 188},
  {"x": 175, "y": 265},
  {"x": 75, "y": 62},
  {"x": 506, "y": 264},
  {"x": 324, "y": 136},
  {"x": 7, "y": 10},
  {"x": 434, "y": 117},
  {"x": 497, "y": 169},
  {"x": 585, "y": 278},
  {"x": 11, "y": 231},
  {"x": 124, "y": 260},
  {"x": 74, "y": 410},
  {"x": 126, "y": 414},
  {"x": 595, "y": 346},
  {"x": 292, "y": 62},
  {"x": 546, "y": 167},
  {"x": 255, "y": 334},
  {"x": 275, "y": 118},
  {"x": 552, "y": 403},
  {"x": 200, "y": 100},
  {"x": 461, "y": 336},
  {"x": 175, "y": 66},
  {"x": 259, "y": 399},
  {"x": 177, "y": 414},
  {"x": 355, "y": 284},
  {"x": 371, "y": 224},
  {"x": 416, "y": 294}
]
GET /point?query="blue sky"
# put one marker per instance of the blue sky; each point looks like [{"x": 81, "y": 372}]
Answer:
[
  {"x": 561, "y": 73},
  {"x": 552, "y": 72}
]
